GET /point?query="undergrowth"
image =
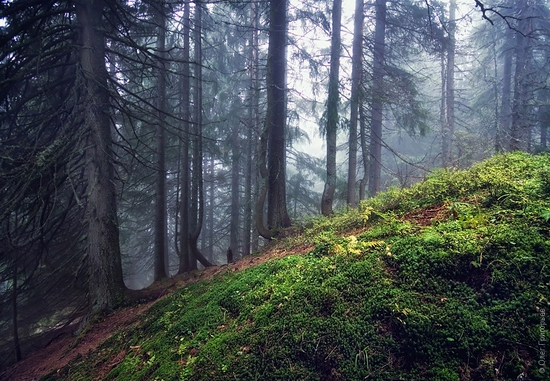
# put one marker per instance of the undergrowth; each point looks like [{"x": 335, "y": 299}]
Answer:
[{"x": 384, "y": 295}]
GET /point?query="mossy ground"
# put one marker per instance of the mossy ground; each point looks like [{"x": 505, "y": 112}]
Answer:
[{"x": 446, "y": 280}]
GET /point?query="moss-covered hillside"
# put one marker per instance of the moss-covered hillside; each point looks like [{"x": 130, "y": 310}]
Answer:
[{"x": 447, "y": 280}]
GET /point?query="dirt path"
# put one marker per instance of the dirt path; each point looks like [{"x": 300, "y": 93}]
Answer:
[{"x": 66, "y": 347}]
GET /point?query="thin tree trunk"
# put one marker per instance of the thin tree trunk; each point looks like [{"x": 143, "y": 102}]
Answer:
[
  {"x": 494, "y": 135},
  {"x": 198, "y": 186},
  {"x": 196, "y": 125},
  {"x": 544, "y": 136},
  {"x": 260, "y": 192},
  {"x": 253, "y": 125},
  {"x": 212, "y": 195},
  {"x": 450, "y": 89},
  {"x": 364, "y": 151},
  {"x": 235, "y": 199},
  {"x": 262, "y": 175},
  {"x": 106, "y": 285},
  {"x": 247, "y": 218},
  {"x": 544, "y": 110},
  {"x": 327, "y": 199},
  {"x": 160, "y": 203},
  {"x": 185, "y": 261},
  {"x": 506, "y": 105},
  {"x": 375, "y": 151},
  {"x": 356, "y": 69},
  {"x": 442, "y": 109},
  {"x": 519, "y": 131}
]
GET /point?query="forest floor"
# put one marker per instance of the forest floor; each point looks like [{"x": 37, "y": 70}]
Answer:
[
  {"x": 457, "y": 241},
  {"x": 67, "y": 347}
]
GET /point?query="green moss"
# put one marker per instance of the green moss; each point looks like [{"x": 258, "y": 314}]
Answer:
[{"x": 401, "y": 300}]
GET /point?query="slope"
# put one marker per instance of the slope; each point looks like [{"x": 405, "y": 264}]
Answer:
[{"x": 446, "y": 280}]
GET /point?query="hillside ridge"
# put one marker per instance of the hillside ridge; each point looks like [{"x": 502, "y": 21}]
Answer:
[{"x": 446, "y": 280}]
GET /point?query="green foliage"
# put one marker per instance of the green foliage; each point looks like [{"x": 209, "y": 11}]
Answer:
[
  {"x": 509, "y": 181},
  {"x": 341, "y": 221},
  {"x": 384, "y": 294}
]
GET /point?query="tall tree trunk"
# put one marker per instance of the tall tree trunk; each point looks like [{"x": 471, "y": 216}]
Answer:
[
  {"x": 505, "y": 119},
  {"x": 356, "y": 69},
  {"x": 494, "y": 133},
  {"x": 185, "y": 260},
  {"x": 212, "y": 199},
  {"x": 160, "y": 202},
  {"x": 253, "y": 120},
  {"x": 106, "y": 285},
  {"x": 277, "y": 215},
  {"x": 247, "y": 218},
  {"x": 519, "y": 131},
  {"x": 263, "y": 180},
  {"x": 375, "y": 150},
  {"x": 544, "y": 110},
  {"x": 332, "y": 109},
  {"x": 450, "y": 90},
  {"x": 442, "y": 102},
  {"x": 198, "y": 185},
  {"x": 235, "y": 199},
  {"x": 196, "y": 126},
  {"x": 364, "y": 150}
]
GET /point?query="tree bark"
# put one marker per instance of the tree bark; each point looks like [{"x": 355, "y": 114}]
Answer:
[
  {"x": 235, "y": 199},
  {"x": 253, "y": 119},
  {"x": 106, "y": 285},
  {"x": 519, "y": 131},
  {"x": 356, "y": 68},
  {"x": 277, "y": 215},
  {"x": 198, "y": 185},
  {"x": 442, "y": 103},
  {"x": 332, "y": 110},
  {"x": 506, "y": 105},
  {"x": 494, "y": 131},
  {"x": 247, "y": 218},
  {"x": 212, "y": 199},
  {"x": 450, "y": 90},
  {"x": 375, "y": 151},
  {"x": 262, "y": 186},
  {"x": 160, "y": 195},
  {"x": 364, "y": 151},
  {"x": 185, "y": 254}
]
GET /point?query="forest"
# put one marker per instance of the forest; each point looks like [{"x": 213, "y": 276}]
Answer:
[{"x": 148, "y": 138}]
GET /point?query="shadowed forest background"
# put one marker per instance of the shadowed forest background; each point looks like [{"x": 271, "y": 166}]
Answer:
[{"x": 144, "y": 139}]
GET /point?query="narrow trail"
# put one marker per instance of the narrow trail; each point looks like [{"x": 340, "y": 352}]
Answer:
[{"x": 67, "y": 347}]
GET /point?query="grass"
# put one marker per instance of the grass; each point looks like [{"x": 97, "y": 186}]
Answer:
[{"x": 446, "y": 280}]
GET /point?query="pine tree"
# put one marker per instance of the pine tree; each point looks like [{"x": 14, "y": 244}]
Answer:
[{"x": 332, "y": 109}]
